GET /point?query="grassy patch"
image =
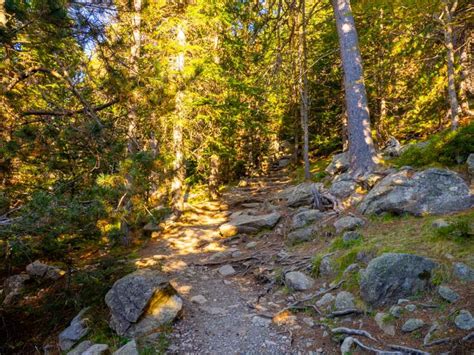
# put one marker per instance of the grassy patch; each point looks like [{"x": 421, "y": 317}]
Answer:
[
  {"x": 460, "y": 230},
  {"x": 445, "y": 148},
  {"x": 415, "y": 235}
]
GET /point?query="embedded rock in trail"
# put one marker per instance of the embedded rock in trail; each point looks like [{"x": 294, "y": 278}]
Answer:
[
  {"x": 464, "y": 320},
  {"x": 302, "y": 235},
  {"x": 380, "y": 319},
  {"x": 463, "y": 272},
  {"x": 393, "y": 276},
  {"x": 348, "y": 223},
  {"x": 76, "y": 330},
  {"x": 300, "y": 195},
  {"x": 44, "y": 271},
  {"x": 432, "y": 191},
  {"x": 97, "y": 349},
  {"x": 344, "y": 300},
  {"x": 325, "y": 301},
  {"x": 298, "y": 281},
  {"x": 13, "y": 286},
  {"x": 141, "y": 302},
  {"x": 80, "y": 348},
  {"x": 343, "y": 189},
  {"x": 339, "y": 164},
  {"x": 128, "y": 349},
  {"x": 302, "y": 218},
  {"x": 412, "y": 324},
  {"x": 226, "y": 270},
  {"x": 249, "y": 224},
  {"x": 448, "y": 294}
]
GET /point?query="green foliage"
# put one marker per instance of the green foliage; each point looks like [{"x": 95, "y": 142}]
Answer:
[
  {"x": 445, "y": 148},
  {"x": 460, "y": 230}
]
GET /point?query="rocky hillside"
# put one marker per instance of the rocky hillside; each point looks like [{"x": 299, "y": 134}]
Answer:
[{"x": 378, "y": 264}]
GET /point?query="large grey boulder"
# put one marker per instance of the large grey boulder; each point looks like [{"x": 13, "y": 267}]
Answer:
[
  {"x": 44, "y": 271},
  {"x": 393, "y": 276},
  {"x": 339, "y": 164},
  {"x": 298, "y": 281},
  {"x": 302, "y": 218},
  {"x": 76, "y": 330},
  {"x": 300, "y": 195},
  {"x": 432, "y": 191},
  {"x": 249, "y": 224},
  {"x": 141, "y": 302}
]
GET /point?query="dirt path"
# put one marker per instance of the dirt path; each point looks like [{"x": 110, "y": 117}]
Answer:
[{"x": 229, "y": 318}]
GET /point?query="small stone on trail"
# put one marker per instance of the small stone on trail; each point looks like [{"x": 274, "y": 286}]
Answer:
[
  {"x": 396, "y": 311},
  {"x": 298, "y": 281},
  {"x": 251, "y": 245},
  {"x": 261, "y": 321},
  {"x": 199, "y": 299},
  {"x": 325, "y": 301},
  {"x": 464, "y": 320},
  {"x": 412, "y": 324},
  {"x": 410, "y": 307},
  {"x": 344, "y": 300},
  {"x": 348, "y": 223},
  {"x": 447, "y": 294},
  {"x": 226, "y": 270},
  {"x": 380, "y": 319}
]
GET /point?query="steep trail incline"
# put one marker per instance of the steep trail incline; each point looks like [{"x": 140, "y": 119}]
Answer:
[{"x": 222, "y": 314}]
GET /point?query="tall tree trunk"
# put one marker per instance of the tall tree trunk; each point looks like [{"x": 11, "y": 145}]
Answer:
[
  {"x": 177, "y": 193},
  {"x": 361, "y": 146},
  {"x": 464, "y": 62},
  {"x": 448, "y": 41},
  {"x": 303, "y": 89},
  {"x": 132, "y": 145}
]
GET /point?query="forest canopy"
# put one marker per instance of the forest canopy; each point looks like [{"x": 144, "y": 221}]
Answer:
[{"x": 110, "y": 109}]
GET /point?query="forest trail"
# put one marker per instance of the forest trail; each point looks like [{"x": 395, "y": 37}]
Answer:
[{"x": 230, "y": 319}]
